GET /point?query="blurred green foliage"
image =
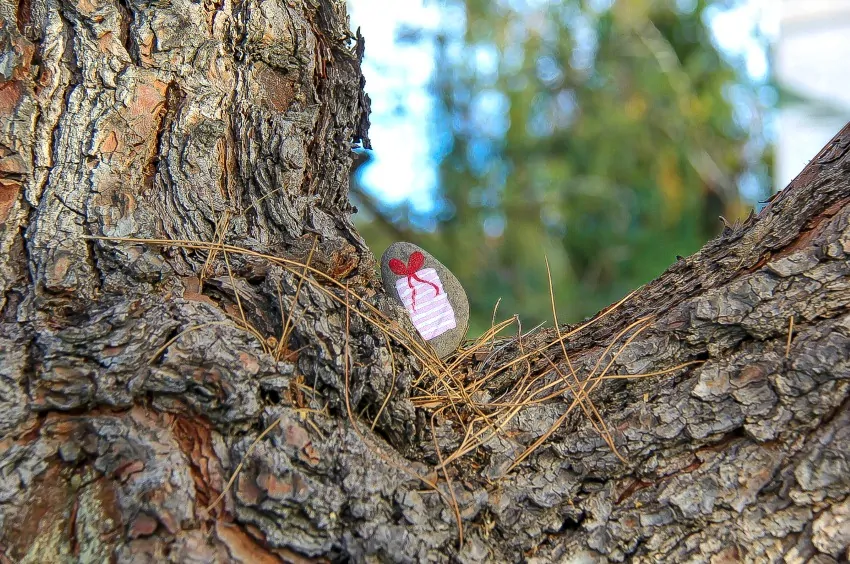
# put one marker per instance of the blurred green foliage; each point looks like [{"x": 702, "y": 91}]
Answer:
[{"x": 606, "y": 136}]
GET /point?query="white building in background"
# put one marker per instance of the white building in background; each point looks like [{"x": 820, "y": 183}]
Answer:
[{"x": 812, "y": 58}]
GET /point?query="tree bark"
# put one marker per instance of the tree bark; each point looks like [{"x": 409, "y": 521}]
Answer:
[{"x": 137, "y": 378}]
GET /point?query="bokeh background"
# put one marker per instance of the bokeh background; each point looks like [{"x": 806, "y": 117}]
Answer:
[{"x": 608, "y": 136}]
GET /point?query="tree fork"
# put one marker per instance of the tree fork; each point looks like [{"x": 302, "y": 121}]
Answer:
[{"x": 135, "y": 378}]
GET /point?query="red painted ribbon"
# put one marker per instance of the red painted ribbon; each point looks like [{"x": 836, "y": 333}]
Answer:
[{"x": 414, "y": 263}]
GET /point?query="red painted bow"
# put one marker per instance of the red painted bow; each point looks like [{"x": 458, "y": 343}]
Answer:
[{"x": 414, "y": 263}]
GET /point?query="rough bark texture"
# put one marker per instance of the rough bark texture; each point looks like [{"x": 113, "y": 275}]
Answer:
[{"x": 218, "y": 120}]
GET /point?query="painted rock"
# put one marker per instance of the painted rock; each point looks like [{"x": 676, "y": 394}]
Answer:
[{"x": 435, "y": 300}]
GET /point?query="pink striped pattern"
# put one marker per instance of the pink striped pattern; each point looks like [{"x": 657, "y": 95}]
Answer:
[{"x": 434, "y": 314}]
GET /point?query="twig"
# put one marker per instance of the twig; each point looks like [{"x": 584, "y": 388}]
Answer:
[
  {"x": 790, "y": 333},
  {"x": 236, "y": 472}
]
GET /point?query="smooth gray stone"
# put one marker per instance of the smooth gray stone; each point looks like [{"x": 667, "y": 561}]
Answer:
[{"x": 431, "y": 317}]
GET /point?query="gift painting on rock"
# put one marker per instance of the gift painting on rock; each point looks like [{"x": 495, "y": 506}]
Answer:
[
  {"x": 432, "y": 296},
  {"x": 423, "y": 296}
]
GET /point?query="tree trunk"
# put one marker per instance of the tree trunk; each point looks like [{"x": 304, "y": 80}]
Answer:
[{"x": 137, "y": 377}]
